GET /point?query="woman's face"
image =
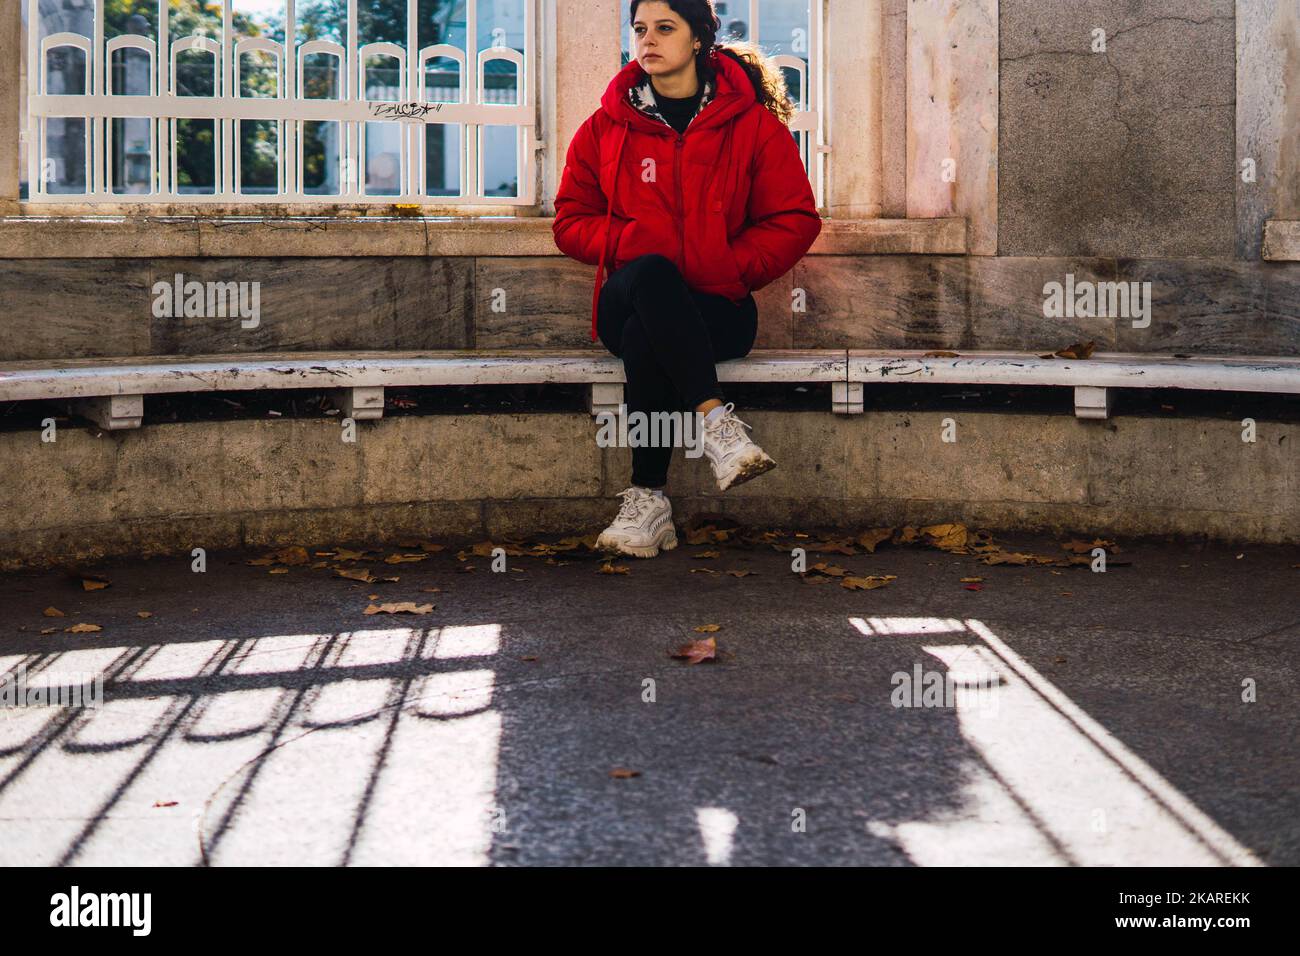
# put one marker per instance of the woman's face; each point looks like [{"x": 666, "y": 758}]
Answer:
[{"x": 664, "y": 42}]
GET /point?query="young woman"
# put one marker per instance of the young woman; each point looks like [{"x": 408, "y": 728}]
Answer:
[{"x": 688, "y": 182}]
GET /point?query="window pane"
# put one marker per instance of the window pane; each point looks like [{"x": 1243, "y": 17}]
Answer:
[
  {"x": 499, "y": 153},
  {"x": 196, "y": 156},
  {"x": 196, "y": 73},
  {"x": 64, "y": 165},
  {"x": 383, "y": 159},
  {"x": 320, "y": 158},
  {"x": 259, "y": 74},
  {"x": 130, "y": 73},
  {"x": 132, "y": 159},
  {"x": 259, "y": 150},
  {"x": 442, "y": 158},
  {"x": 321, "y": 77}
]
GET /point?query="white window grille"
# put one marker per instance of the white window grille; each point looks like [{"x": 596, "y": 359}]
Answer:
[
  {"x": 286, "y": 120},
  {"x": 790, "y": 32}
]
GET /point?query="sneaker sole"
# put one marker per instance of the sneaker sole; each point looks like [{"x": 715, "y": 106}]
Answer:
[
  {"x": 750, "y": 469},
  {"x": 632, "y": 551}
]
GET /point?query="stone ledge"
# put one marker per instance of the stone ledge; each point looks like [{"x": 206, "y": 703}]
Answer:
[
  {"x": 148, "y": 237},
  {"x": 168, "y": 488},
  {"x": 1282, "y": 240}
]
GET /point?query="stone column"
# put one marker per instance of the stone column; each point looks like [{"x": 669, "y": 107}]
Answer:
[
  {"x": 1268, "y": 118},
  {"x": 587, "y": 41},
  {"x": 853, "y": 108},
  {"x": 12, "y": 57},
  {"x": 952, "y": 115}
]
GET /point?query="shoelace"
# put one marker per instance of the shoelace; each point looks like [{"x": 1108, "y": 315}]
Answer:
[
  {"x": 633, "y": 500},
  {"x": 728, "y": 427}
]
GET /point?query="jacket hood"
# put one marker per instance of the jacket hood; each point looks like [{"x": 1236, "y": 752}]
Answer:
[{"x": 733, "y": 95}]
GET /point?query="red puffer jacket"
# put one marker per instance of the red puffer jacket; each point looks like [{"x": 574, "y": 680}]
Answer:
[{"x": 729, "y": 200}]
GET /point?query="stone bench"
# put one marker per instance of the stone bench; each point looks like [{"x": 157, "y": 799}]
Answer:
[
  {"x": 1093, "y": 379},
  {"x": 111, "y": 391}
]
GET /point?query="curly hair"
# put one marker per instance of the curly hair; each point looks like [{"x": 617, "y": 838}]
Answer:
[{"x": 767, "y": 79}]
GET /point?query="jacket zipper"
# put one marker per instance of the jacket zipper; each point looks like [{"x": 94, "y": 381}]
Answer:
[{"x": 681, "y": 213}]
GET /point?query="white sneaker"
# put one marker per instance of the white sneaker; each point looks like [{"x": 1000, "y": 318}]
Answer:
[
  {"x": 644, "y": 524},
  {"x": 734, "y": 457}
]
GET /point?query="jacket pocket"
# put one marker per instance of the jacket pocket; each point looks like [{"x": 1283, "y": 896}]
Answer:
[{"x": 625, "y": 248}]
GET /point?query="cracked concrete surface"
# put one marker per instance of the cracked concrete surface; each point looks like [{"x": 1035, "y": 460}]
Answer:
[{"x": 1131, "y": 154}]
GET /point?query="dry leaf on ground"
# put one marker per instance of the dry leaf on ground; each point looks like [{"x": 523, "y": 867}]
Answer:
[
  {"x": 623, "y": 773},
  {"x": 870, "y": 582},
  {"x": 707, "y": 628},
  {"x": 83, "y": 628},
  {"x": 399, "y": 607},
  {"x": 53, "y": 612},
  {"x": 292, "y": 556},
  {"x": 694, "y": 652},
  {"x": 610, "y": 568}
]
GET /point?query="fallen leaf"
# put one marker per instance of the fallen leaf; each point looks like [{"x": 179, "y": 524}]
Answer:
[
  {"x": 946, "y": 537},
  {"x": 971, "y": 580},
  {"x": 431, "y": 590},
  {"x": 531, "y": 657},
  {"x": 278, "y": 571},
  {"x": 404, "y": 558},
  {"x": 293, "y": 556},
  {"x": 703, "y": 571},
  {"x": 609, "y": 568},
  {"x": 741, "y": 574},
  {"x": 355, "y": 574},
  {"x": 1075, "y": 546},
  {"x": 345, "y": 555},
  {"x": 48, "y": 630},
  {"x": 833, "y": 546},
  {"x": 707, "y": 628},
  {"x": 399, "y": 607},
  {"x": 1079, "y": 350},
  {"x": 869, "y": 539},
  {"x": 696, "y": 651},
  {"x": 83, "y": 628},
  {"x": 830, "y": 570},
  {"x": 974, "y": 587},
  {"x": 706, "y": 554},
  {"x": 53, "y": 612},
  {"x": 623, "y": 773},
  {"x": 165, "y": 803},
  {"x": 869, "y": 583},
  {"x": 93, "y": 582}
]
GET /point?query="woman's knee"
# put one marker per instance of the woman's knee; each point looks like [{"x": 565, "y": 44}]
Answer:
[{"x": 654, "y": 269}]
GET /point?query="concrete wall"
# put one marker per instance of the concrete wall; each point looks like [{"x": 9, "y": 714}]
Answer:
[
  {"x": 1127, "y": 152},
  {"x": 57, "y": 308},
  {"x": 171, "y": 488}
]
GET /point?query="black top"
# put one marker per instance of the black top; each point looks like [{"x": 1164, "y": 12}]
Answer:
[{"x": 679, "y": 111}]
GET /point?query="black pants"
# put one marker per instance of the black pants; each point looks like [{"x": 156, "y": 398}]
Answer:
[{"x": 669, "y": 337}]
